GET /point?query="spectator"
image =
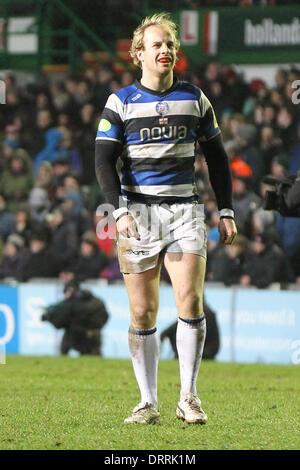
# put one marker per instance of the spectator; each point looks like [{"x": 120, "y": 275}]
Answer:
[
  {"x": 112, "y": 271},
  {"x": 270, "y": 145},
  {"x": 14, "y": 258},
  {"x": 227, "y": 265},
  {"x": 41, "y": 263},
  {"x": 91, "y": 260},
  {"x": 246, "y": 139},
  {"x": 279, "y": 165},
  {"x": 50, "y": 151},
  {"x": 85, "y": 137},
  {"x": 288, "y": 229},
  {"x": 64, "y": 239},
  {"x": 245, "y": 202},
  {"x": 7, "y": 220},
  {"x": 74, "y": 209},
  {"x": 24, "y": 224},
  {"x": 265, "y": 264},
  {"x": 17, "y": 181},
  {"x": 43, "y": 122},
  {"x": 287, "y": 127},
  {"x": 39, "y": 204}
]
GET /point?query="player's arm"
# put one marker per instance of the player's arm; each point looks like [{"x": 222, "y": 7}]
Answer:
[
  {"x": 108, "y": 148},
  {"x": 106, "y": 156},
  {"x": 221, "y": 181},
  {"x": 209, "y": 137}
]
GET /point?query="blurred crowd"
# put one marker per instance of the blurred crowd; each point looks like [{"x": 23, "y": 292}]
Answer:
[{"x": 49, "y": 193}]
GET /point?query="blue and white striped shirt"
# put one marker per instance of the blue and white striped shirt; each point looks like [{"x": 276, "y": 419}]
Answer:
[{"x": 158, "y": 132}]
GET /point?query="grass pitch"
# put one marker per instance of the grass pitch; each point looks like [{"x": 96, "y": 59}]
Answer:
[{"x": 80, "y": 403}]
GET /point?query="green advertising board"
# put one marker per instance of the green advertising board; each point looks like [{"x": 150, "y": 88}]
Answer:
[{"x": 241, "y": 35}]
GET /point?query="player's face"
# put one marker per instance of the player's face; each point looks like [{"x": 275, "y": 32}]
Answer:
[{"x": 158, "y": 55}]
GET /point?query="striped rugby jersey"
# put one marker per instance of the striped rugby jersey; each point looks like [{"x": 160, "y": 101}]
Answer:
[{"x": 158, "y": 132}]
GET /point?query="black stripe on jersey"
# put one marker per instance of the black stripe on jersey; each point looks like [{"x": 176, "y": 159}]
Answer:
[
  {"x": 164, "y": 164},
  {"x": 148, "y": 200},
  {"x": 112, "y": 117},
  {"x": 136, "y": 124}
]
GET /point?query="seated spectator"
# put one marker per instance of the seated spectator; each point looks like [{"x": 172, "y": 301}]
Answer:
[
  {"x": 227, "y": 265},
  {"x": 43, "y": 122},
  {"x": 246, "y": 139},
  {"x": 279, "y": 165},
  {"x": 245, "y": 202},
  {"x": 74, "y": 209},
  {"x": 262, "y": 220},
  {"x": 237, "y": 165},
  {"x": 85, "y": 136},
  {"x": 41, "y": 261},
  {"x": 288, "y": 229},
  {"x": 39, "y": 204},
  {"x": 287, "y": 127},
  {"x": 91, "y": 260},
  {"x": 7, "y": 219},
  {"x": 61, "y": 167},
  {"x": 44, "y": 179},
  {"x": 270, "y": 145},
  {"x": 24, "y": 224},
  {"x": 11, "y": 139},
  {"x": 16, "y": 180},
  {"x": 14, "y": 258},
  {"x": 66, "y": 150},
  {"x": 265, "y": 264},
  {"x": 64, "y": 239},
  {"x": 112, "y": 270},
  {"x": 53, "y": 137}
]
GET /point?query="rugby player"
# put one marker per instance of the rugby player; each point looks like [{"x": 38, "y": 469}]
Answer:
[{"x": 153, "y": 126}]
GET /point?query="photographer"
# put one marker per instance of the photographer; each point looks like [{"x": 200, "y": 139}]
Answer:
[
  {"x": 82, "y": 315},
  {"x": 285, "y": 197}
]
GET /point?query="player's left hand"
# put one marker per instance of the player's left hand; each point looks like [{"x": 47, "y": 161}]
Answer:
[{"x": 227, "y": 230}]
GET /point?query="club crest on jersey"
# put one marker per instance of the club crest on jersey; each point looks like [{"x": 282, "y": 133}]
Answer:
[{"x": 162, "y": 108}]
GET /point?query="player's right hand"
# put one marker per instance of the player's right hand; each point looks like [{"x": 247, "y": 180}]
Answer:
[{"x": 127, "y": 227}]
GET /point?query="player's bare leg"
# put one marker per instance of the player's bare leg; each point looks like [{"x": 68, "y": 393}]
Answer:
[
  {"x": 187, "y": 272},
  {"x": 143, "y": 292}
]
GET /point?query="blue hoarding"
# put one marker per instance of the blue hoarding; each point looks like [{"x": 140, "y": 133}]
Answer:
[
  {"x": 255, "y": 325},
  {"x": 9, "y": 319}
]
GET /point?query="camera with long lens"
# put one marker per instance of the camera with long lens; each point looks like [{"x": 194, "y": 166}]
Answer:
[{"x": 284, "y": 197}]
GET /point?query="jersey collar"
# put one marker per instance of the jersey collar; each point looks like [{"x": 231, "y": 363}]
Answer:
[{"x": 157, "y": 93}]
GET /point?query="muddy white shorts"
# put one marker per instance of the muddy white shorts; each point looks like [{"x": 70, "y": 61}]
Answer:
[{"x": 174, "y": 228}]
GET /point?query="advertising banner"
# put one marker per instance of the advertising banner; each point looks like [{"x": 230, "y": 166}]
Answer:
[
  {"x": 254, "y": 325},
  {"x": 267, "y": 327},
  {"x": 251, "y": 35},
  {"x": 9, "y": 323},
  {"x": 37, "y": 337}
]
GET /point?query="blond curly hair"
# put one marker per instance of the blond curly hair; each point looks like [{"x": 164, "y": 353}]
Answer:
[{"x": 158, "y": 19}]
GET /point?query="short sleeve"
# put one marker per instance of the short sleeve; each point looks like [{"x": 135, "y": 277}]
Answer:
[
  {"x": 111, "y": 126},
  {"x": 208, "y": 125}
]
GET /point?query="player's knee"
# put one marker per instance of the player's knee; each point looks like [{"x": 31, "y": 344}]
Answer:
[
  {"x": 190, "y": 303},
  {"x": 143, "y": 315}
]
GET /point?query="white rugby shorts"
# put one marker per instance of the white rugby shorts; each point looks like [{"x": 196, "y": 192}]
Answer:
[{"x": 174, "y": 228}]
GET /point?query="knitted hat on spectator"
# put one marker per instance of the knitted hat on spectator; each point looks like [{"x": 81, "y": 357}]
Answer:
[
  {"x": 281, "y": 159},
  {"x": 90, "y": 237},
  {"x": 39, "y": 235},
  {"x": 248, "y": 133},
  {"x": 16, "y": 240}
]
